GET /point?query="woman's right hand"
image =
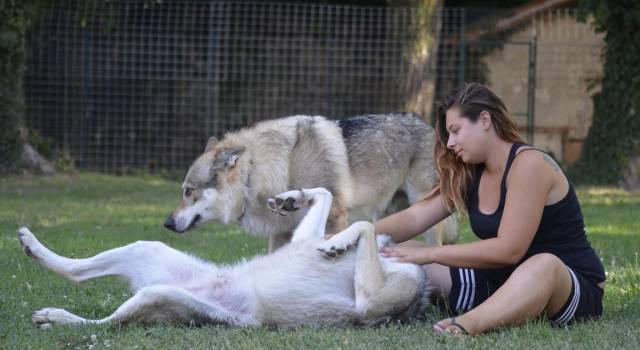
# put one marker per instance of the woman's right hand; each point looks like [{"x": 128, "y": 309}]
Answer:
[{"x": 413, "y": 254}]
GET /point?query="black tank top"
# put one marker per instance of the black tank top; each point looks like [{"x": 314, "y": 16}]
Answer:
[{"x": 561, "y": 231}]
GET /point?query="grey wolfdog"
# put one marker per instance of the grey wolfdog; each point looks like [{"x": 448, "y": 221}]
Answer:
[
  {"x": 363, "y": 161},
  {"x": 309, "y": 281}
]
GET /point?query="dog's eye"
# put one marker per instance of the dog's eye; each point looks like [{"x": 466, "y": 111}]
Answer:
[{"x": 187, "y": 192}]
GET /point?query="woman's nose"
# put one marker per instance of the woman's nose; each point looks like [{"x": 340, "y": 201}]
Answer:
[{"x": 450, "y": 142}]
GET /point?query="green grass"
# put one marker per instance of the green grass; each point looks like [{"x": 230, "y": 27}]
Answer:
[{"x": 83, "y": 214}]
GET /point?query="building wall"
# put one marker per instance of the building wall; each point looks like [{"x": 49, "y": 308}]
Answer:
[{"x": 568, "y": 60}]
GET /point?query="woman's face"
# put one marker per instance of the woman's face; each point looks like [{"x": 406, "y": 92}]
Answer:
[{"x": 466, "y": 137}]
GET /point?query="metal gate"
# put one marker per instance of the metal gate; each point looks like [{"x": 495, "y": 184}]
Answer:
[
  {"x": 462, "y": 54},
  {"x": 540, "y": 60}
]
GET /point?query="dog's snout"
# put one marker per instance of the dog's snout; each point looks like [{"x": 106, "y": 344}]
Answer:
[{"x": 170, "y": 223}]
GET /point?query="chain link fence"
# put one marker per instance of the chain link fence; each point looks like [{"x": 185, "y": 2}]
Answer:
[
  {"x": 130, "y": 85},
  {"x": 125, "y": 85}
]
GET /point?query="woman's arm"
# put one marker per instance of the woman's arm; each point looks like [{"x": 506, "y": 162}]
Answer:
[
  {"x": 416, "y": 219},
  {"x": 530, "y": 180}
]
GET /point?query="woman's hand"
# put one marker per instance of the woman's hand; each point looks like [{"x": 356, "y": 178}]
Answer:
[{"x": 409, "y": 254}]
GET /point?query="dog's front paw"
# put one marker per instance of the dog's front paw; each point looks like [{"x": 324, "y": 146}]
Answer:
[
  {"x": 336, "y": 246},
  {"x": 287, "y": 202},
  {"x": 28, "y": 241},
  {"x": 46, "y": 317}
]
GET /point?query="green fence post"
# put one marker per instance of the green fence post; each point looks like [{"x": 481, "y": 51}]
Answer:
[
  {"x": 213, "y": 65},
  {"x": 462, "y": 48},
  {"x": 531, "y": 101}
]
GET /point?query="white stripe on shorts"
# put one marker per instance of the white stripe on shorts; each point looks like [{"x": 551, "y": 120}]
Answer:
[
  {"x": 463, "y": 288},
  {"x": 467, "y": 289},
  {"x": 473, "y": 289},
  {"x": 568, "y": 314}
]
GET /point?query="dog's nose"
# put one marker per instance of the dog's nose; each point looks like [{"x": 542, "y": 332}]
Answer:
[{"x": 170, "y": 223}]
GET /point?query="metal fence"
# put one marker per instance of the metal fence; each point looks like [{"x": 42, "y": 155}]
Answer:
[
  {"x": 123, "y": 85},
  {"x": 132, "y": 85}
]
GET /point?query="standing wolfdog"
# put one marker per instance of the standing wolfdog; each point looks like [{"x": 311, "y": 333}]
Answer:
[{"x": 363, "y": 161}]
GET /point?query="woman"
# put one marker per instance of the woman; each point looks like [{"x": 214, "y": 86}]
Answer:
[{"x": 533, "y": 258}]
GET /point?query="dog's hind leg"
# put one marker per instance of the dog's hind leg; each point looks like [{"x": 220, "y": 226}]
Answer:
[
  {"x": 314, "y": 223},
  {"x": 380, "y": 290},
  {"x": 152, "y": 304},
  {"x": 141, "y": 263}
]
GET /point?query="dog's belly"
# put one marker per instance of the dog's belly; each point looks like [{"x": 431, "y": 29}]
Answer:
[
  {"x": 299, "y": 287},
  {"x": 230, "y": 292}
]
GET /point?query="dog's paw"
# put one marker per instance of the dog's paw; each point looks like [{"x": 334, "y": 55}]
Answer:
[
  {"x": 287, "y": 202},
  {"x": 28, "y": 241},
  {"x": 46, "y": 317},
  {"x": 336, "y": 246}
]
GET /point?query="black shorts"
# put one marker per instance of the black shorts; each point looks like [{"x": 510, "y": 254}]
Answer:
[{"x": 471, "y": 287}]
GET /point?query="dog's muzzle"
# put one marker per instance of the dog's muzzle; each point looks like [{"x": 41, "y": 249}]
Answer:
[
  {"x": 170, "y": 223},
  {"x": 194, "y": 222}
]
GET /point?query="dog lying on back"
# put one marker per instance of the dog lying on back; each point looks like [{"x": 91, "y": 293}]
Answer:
[
  {"x": 310, "y": 281},
  {"x": 363, "y": 161}
]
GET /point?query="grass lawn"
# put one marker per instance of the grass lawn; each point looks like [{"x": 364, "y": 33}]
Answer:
[{"x": 83, "y": 214}]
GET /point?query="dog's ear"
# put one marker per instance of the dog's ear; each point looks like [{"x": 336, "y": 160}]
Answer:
[
  {"x": 227, "y": 158},
  {"x": 210, "y": 143},
  {"x": 231, "y": 155}
]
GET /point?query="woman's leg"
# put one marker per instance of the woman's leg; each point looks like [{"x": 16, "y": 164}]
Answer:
[{"x": 540, "y": 285}]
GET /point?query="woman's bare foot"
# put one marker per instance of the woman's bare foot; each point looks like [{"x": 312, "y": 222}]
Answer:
[{"x": 450, "y": 326}]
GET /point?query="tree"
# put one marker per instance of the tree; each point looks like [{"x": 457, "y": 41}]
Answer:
[
  {"x": 613, "y": 138},
  {"x": 16, "y": 17}
]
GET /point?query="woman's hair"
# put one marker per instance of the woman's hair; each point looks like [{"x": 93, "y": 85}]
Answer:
[{"x": 455, "y": 175}]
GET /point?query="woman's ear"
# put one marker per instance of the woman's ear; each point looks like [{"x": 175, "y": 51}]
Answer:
[{"x": 485, "y": 120}]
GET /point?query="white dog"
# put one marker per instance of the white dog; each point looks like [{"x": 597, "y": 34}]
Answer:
[{"x": 310, "y": 281}]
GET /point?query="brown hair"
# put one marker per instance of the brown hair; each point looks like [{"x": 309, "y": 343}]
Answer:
[{"x": 455, "y": 175}]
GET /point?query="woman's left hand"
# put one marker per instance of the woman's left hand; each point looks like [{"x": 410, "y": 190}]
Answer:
[{"x": 408, "y": 254}]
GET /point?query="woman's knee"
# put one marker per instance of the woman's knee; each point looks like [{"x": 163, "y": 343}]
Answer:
[
  {"x": 545, "y": 264},
  {"x": 554, "y": 274}
]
